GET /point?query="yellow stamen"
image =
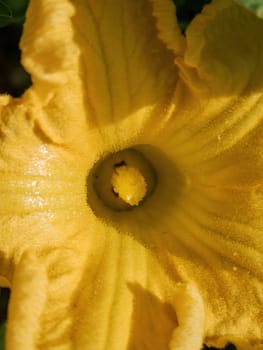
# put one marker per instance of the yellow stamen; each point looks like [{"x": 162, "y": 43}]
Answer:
[{"x": 129, "y": 184}]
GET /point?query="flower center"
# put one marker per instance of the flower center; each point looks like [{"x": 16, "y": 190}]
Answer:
[
  {"x": 122, "y": 180},
  {"x": 129, "y": 184}
]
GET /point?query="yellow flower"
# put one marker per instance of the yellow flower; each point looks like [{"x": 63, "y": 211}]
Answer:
[{"x": 131, "y": 174}]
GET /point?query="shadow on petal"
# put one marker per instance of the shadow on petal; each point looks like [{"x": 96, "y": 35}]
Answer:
[
  {"x": 222, "y": 58},
  {"x": 123, "y": 66},
  {"x": 153, "y": 321}
]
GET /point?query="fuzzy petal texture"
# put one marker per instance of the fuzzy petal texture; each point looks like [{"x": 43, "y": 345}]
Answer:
[
  {"x": 224, "y": 51},
  {"x": 184, "y": 267},
  {"x": 74, "y": 65},
  {"x": 215, "y": 140}
]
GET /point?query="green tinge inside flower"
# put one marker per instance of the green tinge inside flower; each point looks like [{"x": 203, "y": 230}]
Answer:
[{"x": 123, "y": 180}]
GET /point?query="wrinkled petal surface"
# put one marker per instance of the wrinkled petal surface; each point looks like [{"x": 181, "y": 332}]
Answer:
[
  {"x": 185, "y": 266},
  {"x": 98, "y": 51},
  {"x": 224, "y": 51}
]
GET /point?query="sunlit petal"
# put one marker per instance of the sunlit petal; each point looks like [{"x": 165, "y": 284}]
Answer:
[{"x": 221, "y": 58}]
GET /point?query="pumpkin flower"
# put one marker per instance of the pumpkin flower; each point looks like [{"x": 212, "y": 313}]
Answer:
[{"x": 131, "y": 179}]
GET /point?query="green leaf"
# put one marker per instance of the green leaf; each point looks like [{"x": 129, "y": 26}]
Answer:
[
  {"x": 255, "y": 6},
  {"x": 17, "y": 5},
  {"x": 12, "y": 11},
  {"x": 5, "y": 14}
]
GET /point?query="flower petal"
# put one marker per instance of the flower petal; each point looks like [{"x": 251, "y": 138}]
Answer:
[
  {"x": 99, "y": 62},
  {"x": 51, "y": 56},
  {"x": 27, "y": 303},
  {"x": 224, "y": 51},
  {"x": 105, "y": 291},
  {"x": 123, "y": 63},
  {"x": 41, "y": 185},
  {"x": 127, "y": 298},
  {"x": 120, "y": 296},
  {"x": 213, "y": 237},
  {"x": 216, "y": 141},
  {"x": 4, "y": 282},
  {"x": 209, "y": 235},
  {"x": 167, "y": 25}
]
